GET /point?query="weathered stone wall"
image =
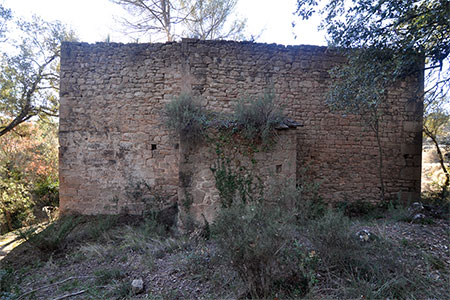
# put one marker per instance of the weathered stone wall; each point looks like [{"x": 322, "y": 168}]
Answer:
[
  {"x": 112, "y": 135},
  {"x": 198, "y": 196}
]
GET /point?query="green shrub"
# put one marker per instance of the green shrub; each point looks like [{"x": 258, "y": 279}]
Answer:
[
  {"x": 53, "y": 237},
  {"x": 7, "y": 281},
  {"x": 333, "y": 239},
  {"x": 235, "y": 183},
  {"x": 28, "y": 160},
  {"x": 256, "y": 118},
  {"x": 187, "y": 117},
  {"x": 105, "y": 276},
  {"x": 16, "y": 204},
  {"x": 258, "y": 242},
  {"x": 261, "y": 239},
  {"x": 299, "y": 199},
  {"x": 97, "y": 226},
  {"x": 358, "y": 208},
  {"x": 373, "y": 270},
  {"x": 47, "y": 192}
]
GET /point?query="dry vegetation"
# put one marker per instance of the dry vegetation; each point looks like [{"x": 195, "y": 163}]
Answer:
[{"x": 249, "y": 252}]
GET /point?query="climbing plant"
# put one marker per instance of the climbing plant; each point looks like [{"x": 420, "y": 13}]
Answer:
[{"x": 248, "y": 129}]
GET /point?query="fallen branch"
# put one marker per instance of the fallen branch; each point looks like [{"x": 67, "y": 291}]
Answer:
[
  {"x": 52, "y": 285},
  {"x": 71, "y": 295}
]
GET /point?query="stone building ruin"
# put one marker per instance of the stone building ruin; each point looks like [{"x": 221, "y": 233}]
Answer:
[{"x": 112, "y": 138}]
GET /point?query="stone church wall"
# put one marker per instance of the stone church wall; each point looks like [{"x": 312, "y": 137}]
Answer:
[{"x": 113, "y": 138}]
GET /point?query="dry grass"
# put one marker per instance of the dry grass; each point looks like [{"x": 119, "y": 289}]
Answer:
[{"x": 406, "y": 261}]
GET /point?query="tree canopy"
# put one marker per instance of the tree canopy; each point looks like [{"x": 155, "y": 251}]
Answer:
[
  {"x": 384, "y": 41},
  {"x": 203, "y": 19},
  {"x": 207, "y": 20},
  {"x": 29, "y": 77},
  {"x": 5, "y": 15},
  {"x": 405, "y": 29}
]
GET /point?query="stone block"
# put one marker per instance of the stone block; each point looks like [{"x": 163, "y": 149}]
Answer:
[
  {"x": 411, "y": 149},
  {"x": 413, "y": 173},
  {"x": 412, "y": 126}
]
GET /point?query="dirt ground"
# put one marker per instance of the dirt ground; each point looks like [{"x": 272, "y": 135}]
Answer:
[{"x": 178, "y": 268}]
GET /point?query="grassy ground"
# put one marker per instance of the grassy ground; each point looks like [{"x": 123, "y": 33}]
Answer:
[{"x": 98, "y": 257}]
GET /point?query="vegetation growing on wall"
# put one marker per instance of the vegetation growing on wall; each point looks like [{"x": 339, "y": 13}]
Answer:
[
  {"x": 390, "y": 41},
  {"x": 233, "y": 180},
  {"x": 249, "y": 129},
  {"x": 187, "y": 117},
  {"x": 254, "y": 118},
  {"x": 257, "y": 118}
]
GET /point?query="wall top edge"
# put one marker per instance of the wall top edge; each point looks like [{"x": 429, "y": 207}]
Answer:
[{"x": 199, "y": 42}]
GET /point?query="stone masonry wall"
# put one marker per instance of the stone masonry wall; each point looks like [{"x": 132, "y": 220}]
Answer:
[
  {"x": 112, "y": 135},
  {"x": 197, "y": 161}
]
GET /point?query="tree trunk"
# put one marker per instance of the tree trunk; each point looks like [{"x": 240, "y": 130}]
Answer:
[
  {"x": 8, "y": 220},
  {"x": 441, "y": 160}
]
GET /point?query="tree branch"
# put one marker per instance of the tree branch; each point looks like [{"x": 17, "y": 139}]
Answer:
[{"x": 52, "y": 285}]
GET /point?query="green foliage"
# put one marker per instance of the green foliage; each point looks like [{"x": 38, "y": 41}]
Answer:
[
  {"x": 301, "y": 199},
  {"x": 227, "y": 181},
  {"x": 15, "y": 206},
  {"x": 358, "y": 208},
  {"x": 373, "y": 270},
  {"x": 436, "y": 118},
  {"x": 260, "y": 239},
  {"x": 47, "y": 192},
  {"x": 6, "y": 283},
  {"x": 105, "y": 276},
  {"x": 362, "y": 94},
  {"x": 53, "y": 237},
  {"x": 401, "y": 27},
  {"x": 437, "y": 200},
  {"x": 154, "y": 226},
  {"x": 208, "y": 20},
  {"x": 97, "y": 227},
  {"x": 256, "y": 118},
  {"x": 252, "y": 118},
  {"x": 29, "y": 77},
  {"x": 203, "y": 19},
  {"x": 331, "y": 236},
  {"x": 287, "y": 244},
  {"x": 235, "y": 184},
  {"x": 28, "y": 173},
  {"x": 385, "y": 42},
  {"x": 158, "y": 217},
  {"x": 242, "y": 133},
  {"x": 250, "y": 129},
  {"x": 233, "y": 180},
  {"x": 435, "y": 121},
  {"x": 5, "y": 15},
  {"x": 121, "y": 291},
  {"x": 259, "y": 244},
  {"x": 186, "y": 116}
]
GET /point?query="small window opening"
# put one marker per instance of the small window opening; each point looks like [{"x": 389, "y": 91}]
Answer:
[
  {"x": 177, "y": 146},
  {"x": 153, "y": 147},
  {"x": 278, "y": 169}
]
